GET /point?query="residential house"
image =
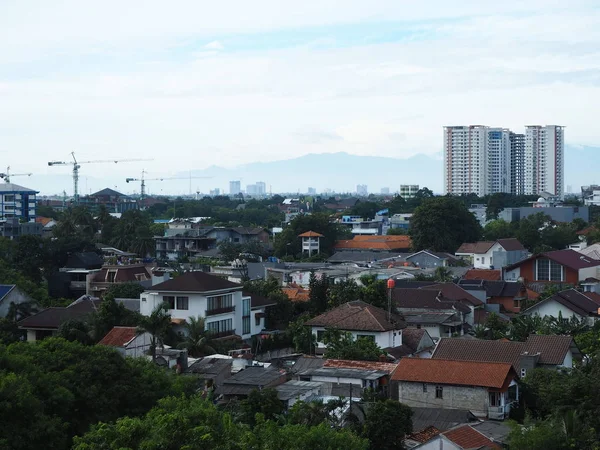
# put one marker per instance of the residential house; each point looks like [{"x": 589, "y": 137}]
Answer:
[
  {"x": 509, "y": 295},
  {"x": 584, "y": 306},
  {"x": 347, "y": 378},
  {"x": 127, "y": 341},
  {"x": 111, "y": 275},
  {"x": 463, "y": 437},
  {"x": 591, "y": 251},
  {"x": 252, "y": 378},
  {"x": 226, "y": 309},
  {"x": 214, "y": 370},
  {"x": 550, "y": 352},
  {"x": 46, "y": 322},
  {"x": 559, "y": 266},
  {"x": 429, "y": 259},
  {"x": 362, "y": 320},
  {"x": 416, "y": 342},
  {"x": 72, "y": 280},
  {"x": 11, "y": 294},
  {"x": 492, "y": 254},
  {"x": 483, "y": 274},
  {"x": 486, "y": 389},
  {"x": 441, "y": 419},
  {"x": 454, "y": 292},
  {"x": 295, "y": 390},
  {"x": 387, "y": 243}
]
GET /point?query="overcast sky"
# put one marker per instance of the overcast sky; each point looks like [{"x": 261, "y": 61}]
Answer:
[{"x": 193, "y": 83}]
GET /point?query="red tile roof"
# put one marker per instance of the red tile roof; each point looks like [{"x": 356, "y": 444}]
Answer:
[
  {"x": 467, "y": 437},
  {"x": 366, "y": 365},
  {"x": 387, "y": 243},
  {"x": 424, "y": 435},
  {"x": 357, "y": 316},
  {"x": 483, "y": 274},
  {"x": 463, "y": 373},
  {"x": 119, "y": 336},
  {"x": 310, "y": 234},
  {"x": 296, "y": 294}
]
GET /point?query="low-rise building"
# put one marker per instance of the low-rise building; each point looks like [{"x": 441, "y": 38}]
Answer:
[
  {"x": 584, "y": 306},
  {"x": 492, "y": 254},
  {"x": 416, "y": 342},
  {"x": 463, "y": 437},
  {"x": 509, "y": 295},
  {"x": 565, "y": 214},
  {"x": 486, "y": 389},
  {"x": 11, "y": 294},
  {"x": 127, "y": 341},
  {"x": 430, "y": 259},
  {"x": 362, "y": 320},
  {"x": 239, "y": 385},
  {"x": 294, "y": 390}
]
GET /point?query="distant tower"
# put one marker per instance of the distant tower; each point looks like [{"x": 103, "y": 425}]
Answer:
[{"x": 311, "y": 242}]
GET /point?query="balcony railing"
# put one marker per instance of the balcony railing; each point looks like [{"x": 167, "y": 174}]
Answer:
[
  {"x": 221, "y": 334},
  {"x": 213, "y": 312},
  {"x": 497, "y": 412}
]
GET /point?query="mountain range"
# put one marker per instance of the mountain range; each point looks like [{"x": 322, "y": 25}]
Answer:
[{"x": 340, "y": 172}]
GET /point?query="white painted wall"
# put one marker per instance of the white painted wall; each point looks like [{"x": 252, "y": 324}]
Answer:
[
  {"x": 139, "y": 346},
  {"x": 383, "y": 339},
  {"x": 568, "y": 361},
  {"x": 553, "y": 308},
  {"x": 589, "y": 272},
  {"x": 439, "y": 443}
]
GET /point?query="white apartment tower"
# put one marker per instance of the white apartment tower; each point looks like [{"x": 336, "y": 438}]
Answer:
[
  {"x": 517, "y": 162},
  {"x": 544, "y": 159},
  {"x": 465, "y": 160},
  {"x": 498, "y": 160}
]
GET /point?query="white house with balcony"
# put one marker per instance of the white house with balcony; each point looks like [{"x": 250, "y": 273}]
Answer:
[
  {"x": 311, "y": 242},
  {"x": 226, "y": 309}
]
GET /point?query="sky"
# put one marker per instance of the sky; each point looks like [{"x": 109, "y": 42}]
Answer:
[{"x": 191, "y": 84}]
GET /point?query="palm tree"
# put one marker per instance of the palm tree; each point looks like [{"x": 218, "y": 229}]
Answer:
[
  {"x": 197, "y": 339},
  {"x": 442, "y": 274},
  {"x": 157, "y": 325}
]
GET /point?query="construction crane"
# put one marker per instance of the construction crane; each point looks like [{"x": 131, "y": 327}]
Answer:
[
  {"x": 77, "y": 165},
  {"x": 6, "y": 176},
  {"x": 143, "y": 182}
]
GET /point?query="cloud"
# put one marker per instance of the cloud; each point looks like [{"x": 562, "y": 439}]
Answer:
[{"x": 214, "y": 45}]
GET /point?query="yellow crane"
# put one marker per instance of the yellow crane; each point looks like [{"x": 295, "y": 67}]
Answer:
[{"x": 77, "y": 165}]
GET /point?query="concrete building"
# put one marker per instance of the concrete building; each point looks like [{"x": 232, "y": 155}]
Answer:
[
  {"x": 235, "y": 187},
  {"x": 557, "y": 213},
  {"x": 408, "y": 190},
  {"x": 312, "y": 191},
  {"x": 361, "y": 190},
  {"x": 17, "y": 202},
  {"x": 465, "y": 160},
  {"x": 498, "y": 160},
  {"x": 517, "y": 163},
  {"x": 544, "y": 160},
  {"x": 311, "y": 241},
  {"x": 491, "y": 254}
]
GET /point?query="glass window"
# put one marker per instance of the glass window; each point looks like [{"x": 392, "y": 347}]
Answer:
[
  {"x": 9, "y": 198},
  {"x": 246, "y": 325},
  {"x": 548, "y": 270},
  {"x": 183, "y": 302},
  {"x": 220, "y": 302},
  {"x": 320, "y": 335},
  {"x": 439, "y": 392},
  {"x": 425, "y": 387},
  {"x": 220, "y": 326},
  {"x": 246, "y": 307},
  {"x": 170, "y": 300}
]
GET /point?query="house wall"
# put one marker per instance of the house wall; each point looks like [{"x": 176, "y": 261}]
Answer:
[
  {"x": 472, "y": 398},
  {"x": 527, "y": 271},
  {"x": 15, "y": 296},
  {"x": 303, "y": 396},
  {"x": 439, "y": 443},
  {"x": 506, "y": 302},
  {"x": 568, "y": 361},
  {"x": 589, "y": 272},
  {"x": 383, "y": 339},
  {"x": 552, "y": 308},
  {"x": 138, "y": 347},
  {"x": 427, "y": 261}
]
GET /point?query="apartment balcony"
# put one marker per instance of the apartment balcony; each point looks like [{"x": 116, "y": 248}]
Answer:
[
  {"x": 214, "y": 312},
  {"x": 222, "y": 334}
]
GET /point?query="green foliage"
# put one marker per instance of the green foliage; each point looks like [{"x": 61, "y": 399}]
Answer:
[
  {"x": 75, "y": 331},
  {"x": 341, "y": 345},
  {"x": 301, "y": 335},
  {"x": 157, "y": 324},
  {"x": 317, "y": 222},
  {"x": 54, "y": 389},
  {"x": 319, "y": 287},
  {"x": 262, "y": 402},
  {"x": 124, "y": 290},
  {"x": 498, "y": 229},
  {"x": 397, "y": 232},
  {"x": 111, "y": 314},
  {"x": 541, "y": 435},
  {"x": 386, "y": 424},
  {"x": 314, "y": 412},
  {"x": 443, "y": 224},
  {"x": 281, "y": 314},
  {"x": 197, "y": 339}
]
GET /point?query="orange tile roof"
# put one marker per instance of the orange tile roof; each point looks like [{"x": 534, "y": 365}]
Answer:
[
  {"x": 483, "y": 274},
  {"x": 424, "y": 435},
  {"x": 463, "y": 373},
  {"x": 388, "y": 243},
  {"x": 467, "y": 437},
  {"x": 119, "y": 336},
  {"x": 296, "y": 294},
  {"x": 310, "y": 234},
  {"x": 367, "y": 365},
  {"x": 43, "y": 220}
]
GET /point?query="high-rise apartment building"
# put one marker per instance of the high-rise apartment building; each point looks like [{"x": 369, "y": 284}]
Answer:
[
  {"x": 465, "y": 160},
  {"x": 235, "y": 187},
  {"x": 517, "y": 163},
  {"x": 544, "y": 159},
  {"x": 408, "y": 190},
  {"x": 482, "y": 160},
  {"x": 361, "y": 190}
]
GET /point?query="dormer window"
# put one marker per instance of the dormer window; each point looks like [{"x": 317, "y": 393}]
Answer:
[{"x": 111, "y": 275}]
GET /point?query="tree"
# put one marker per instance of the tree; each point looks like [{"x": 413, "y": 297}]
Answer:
[
  {"x": 498, "y": 229},
  {"x": 302, "y": 337},
  {"x": 386, "y": 424},
  {"x": 341, "y": 345},
  {"x": 75, "y": 330},
  {"x": 124, "y": 290},
  {"x": 157, "y": 325},
  {"x": 494, "y": 206},
  {"x": 541, "y": 435},
  {"x": 288, "y": 243},
  {"x": 317, "y": 301},
  {"x": 263, "y": 402},
  {"x": 196, "y": 338},
  {"x": 442, "y": 224},
  {"x": 230, "y": 251},
  {"x": 442, "y": 274}
]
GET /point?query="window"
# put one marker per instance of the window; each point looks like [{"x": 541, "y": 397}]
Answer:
[
  {"x": 9, "y": 198},
  {"x": 523, "y": 373},
  {"x": 183, "y": 303},
  {"x": 170, "y": 300},
  {"x": 439, "y": 392},
  {"x": 424, "y": 388},
  {"x": 220, "y": 326},
  {"x": 220, "y": 302},
  {"x": 548, "y": 270},
  {"x": 320, "y": 335},
  {"x": 246, "y": 316},
  {"x": 365, "y": 336},
  {"x": 257, "y": 320},
  {"x": 111, "y": 275},
  {"x": 483, "y": 260},
  {"x": 516, "y": 303}
]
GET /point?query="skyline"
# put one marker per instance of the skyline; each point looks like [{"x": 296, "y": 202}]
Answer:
[{"x": 194, "y": 86}]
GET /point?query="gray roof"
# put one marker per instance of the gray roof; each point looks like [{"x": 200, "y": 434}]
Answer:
[
  {"x": 12, "y": 187},
  {"x": 435, "y": 318},
  {"x": 294, "y": 388},
  {"x": 210, "y": 366},
  {"x": 337, "y": 372},
  {"x": 254, "y": 376},
  {"x": 305, "y": 363},
  {"x": 442, "y": 419},
  {"x": 132, "y": 304},
  {"x": 496, "y": 431},
  {"x": 364, "y": 257}
]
